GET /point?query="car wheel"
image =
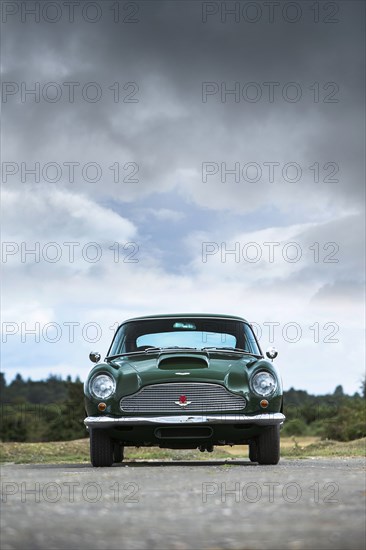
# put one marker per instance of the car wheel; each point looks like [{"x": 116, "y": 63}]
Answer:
[
  {"x": 253, "y": 451},
  {"x": 268, "y": 446},
  {"x": 118, "y": 452},
  {"x": 101, "y": 448}
]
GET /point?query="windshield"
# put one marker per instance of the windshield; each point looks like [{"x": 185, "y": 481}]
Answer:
[{"x": 197, "y": 333}]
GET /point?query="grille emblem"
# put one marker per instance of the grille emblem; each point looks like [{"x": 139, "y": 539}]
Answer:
[{"x": 183, "y": 402}]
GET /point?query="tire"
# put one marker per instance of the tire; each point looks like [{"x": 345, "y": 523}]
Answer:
[
  {"x": 268, "y": 446},
  {"x": 118, "y": 452},
  {"x": 101, "y": 448},
  {"x": 253, "y": 451}
]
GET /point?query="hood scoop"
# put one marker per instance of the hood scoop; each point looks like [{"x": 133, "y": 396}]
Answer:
[{"x": 174, "y": 361}]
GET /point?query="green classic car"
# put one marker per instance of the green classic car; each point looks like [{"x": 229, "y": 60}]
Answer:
[{"x": 184, "y": 381}]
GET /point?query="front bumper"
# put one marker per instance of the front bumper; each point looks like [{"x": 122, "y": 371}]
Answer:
[{"x": 269, "y": 419}]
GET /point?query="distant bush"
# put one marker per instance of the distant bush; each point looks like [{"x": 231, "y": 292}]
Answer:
[
  {"x": 59, "y": 419},
  {"x": 295, "y": 427},
  {"x": 349, "y": 423}
]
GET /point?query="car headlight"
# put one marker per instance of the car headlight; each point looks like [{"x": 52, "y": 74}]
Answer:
[
  {"x": 102, "y": 386},
  {"x": 264, "y": 383}
]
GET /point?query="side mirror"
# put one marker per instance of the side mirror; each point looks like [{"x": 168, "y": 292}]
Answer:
[
  {"x": 271, "y": 353},
  {"x": 94, "y": 356}
]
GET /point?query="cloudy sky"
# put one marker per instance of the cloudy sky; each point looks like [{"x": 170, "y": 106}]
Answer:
[{"x": 183, "y": 156}]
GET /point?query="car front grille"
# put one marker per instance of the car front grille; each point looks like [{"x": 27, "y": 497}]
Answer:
[{"x": 190, "y": 397}]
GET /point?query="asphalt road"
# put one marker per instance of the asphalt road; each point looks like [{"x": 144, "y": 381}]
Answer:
[{"x": 299, "y": 504}]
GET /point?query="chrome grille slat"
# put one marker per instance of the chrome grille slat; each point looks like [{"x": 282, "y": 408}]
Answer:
[{"x": 162, "y": 398}]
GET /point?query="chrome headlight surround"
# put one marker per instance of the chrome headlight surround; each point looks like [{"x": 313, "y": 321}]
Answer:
[
  {"x": 263, "y": 383},
  {"x": 102, "y": 385}
]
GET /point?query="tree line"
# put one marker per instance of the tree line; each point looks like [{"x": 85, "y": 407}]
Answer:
[{"x": 53, "y": 410}]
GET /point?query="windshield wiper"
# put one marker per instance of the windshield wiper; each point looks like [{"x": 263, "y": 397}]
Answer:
[
  {"x": 138, "y": 352},
  {"x": 111, "y": 357},
  {"x": 168, "y": 348},
  {"x": 147, "y": 350},
  {"x": 235, "y": 350}
]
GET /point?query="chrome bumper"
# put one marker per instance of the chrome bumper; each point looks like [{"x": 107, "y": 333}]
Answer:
[{"x": 268, "y": 419}]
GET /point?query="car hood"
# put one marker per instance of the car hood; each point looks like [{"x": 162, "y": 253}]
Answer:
[{"x": 229, "y": 369}]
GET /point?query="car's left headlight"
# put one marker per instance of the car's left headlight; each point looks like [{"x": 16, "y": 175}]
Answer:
[
  {"x": 102, "y": 386},
  {"x": 264, "y": 383}
]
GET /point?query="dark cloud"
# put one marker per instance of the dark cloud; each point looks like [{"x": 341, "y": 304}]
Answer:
[{"x": 169, "y": 53}]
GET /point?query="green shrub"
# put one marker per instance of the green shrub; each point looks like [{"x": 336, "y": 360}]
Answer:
[
  {"x": 348, "y": 424},
  {"x": 295, "y": 427}
]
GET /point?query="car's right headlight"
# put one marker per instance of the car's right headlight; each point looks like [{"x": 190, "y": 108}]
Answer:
[
  {"x": 102, "y": 386},
  {"x": 264, "y": 383}
]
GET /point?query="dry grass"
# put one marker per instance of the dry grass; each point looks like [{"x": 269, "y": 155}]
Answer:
[{"x": 78, "y": 451}]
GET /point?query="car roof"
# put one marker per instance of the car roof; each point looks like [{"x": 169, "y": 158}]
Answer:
[{"x": 188, "y": 316}]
